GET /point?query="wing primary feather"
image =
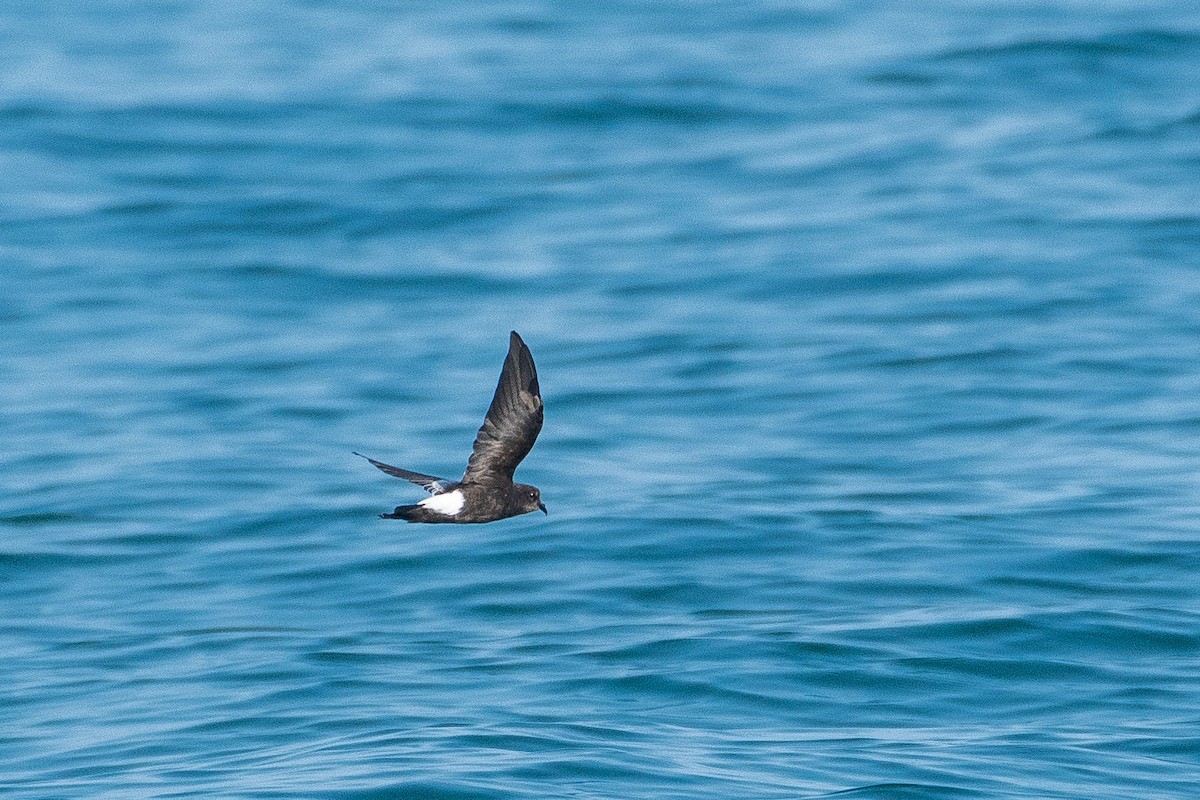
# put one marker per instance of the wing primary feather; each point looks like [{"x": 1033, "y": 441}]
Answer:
[{"x": 430, "y": 483}]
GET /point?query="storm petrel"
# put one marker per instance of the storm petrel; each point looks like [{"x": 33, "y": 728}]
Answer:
[{"x": 486, "y": 491}]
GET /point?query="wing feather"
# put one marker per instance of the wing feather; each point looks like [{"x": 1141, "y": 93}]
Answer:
[
  {"x": 513, "y": 420},
  {"x": 431, "y": 484}
]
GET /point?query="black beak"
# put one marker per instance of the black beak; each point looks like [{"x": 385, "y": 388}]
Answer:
[{"x": 542, "y": 506}]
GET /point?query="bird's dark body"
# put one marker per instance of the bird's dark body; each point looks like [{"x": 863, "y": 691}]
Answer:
[
  {"x": 487, "y": 491},
  {"x": 478, "y": 506}
]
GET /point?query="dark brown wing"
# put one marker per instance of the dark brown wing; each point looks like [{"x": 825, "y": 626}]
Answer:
[
  {"x": 512, "y": 422},
  {"x": 430, "y": 483}
]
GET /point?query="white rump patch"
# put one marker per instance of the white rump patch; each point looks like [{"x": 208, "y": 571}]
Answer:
[{"x": 448, "y": 503}]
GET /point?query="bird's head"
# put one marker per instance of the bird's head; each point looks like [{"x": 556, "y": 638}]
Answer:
[{"x": 529, "y": 498}]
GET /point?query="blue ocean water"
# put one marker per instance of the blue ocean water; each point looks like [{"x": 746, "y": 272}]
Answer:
[{"x": 869, "y": 337}]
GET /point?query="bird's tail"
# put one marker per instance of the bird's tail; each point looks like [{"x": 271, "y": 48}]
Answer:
[{"x": 405, "y": 513}]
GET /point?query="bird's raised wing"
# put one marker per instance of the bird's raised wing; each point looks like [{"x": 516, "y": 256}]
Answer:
[
  {"x": 512, "y": 423},
  {"x": 428, "y": 482}
]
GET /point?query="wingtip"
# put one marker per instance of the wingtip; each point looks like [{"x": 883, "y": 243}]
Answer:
[{"x": 517, "y": 346}]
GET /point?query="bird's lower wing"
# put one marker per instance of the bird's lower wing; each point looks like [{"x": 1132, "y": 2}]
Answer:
[{"x": 430, "y": 483}]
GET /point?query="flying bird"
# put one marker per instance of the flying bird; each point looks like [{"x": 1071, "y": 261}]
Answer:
[{"x": 486, "y": 491}]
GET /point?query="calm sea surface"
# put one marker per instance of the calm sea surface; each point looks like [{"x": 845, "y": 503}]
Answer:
[{"x": 869, "y": 335}]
